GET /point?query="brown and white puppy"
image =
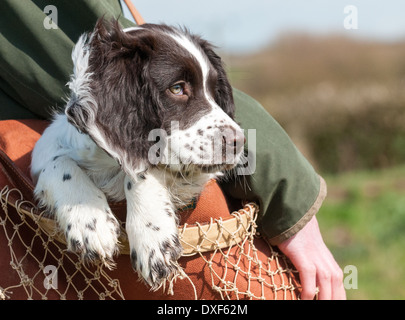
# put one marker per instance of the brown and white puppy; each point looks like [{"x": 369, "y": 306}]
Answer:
[{"x": 150, "y": 120}]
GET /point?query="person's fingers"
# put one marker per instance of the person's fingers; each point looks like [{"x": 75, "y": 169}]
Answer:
[
  {"x": 338, "y": 290},
  {"x": 315, "y": 264},
  {"x": 324, "y": 282},
  {"x": 339, "y": 293},
  {"x": 308, "y": 282},
  {"x": 336, "y": 277}
]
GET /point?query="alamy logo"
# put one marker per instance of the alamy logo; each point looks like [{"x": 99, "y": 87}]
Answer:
[
  {"x": 350, "y": 281},
  {"x": 51, "y": 277},
  {"x": 51, "y": 20},
  {"x": 351, "y": 22}
]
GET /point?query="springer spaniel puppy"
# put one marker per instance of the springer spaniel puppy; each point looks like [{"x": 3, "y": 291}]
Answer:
[{"x": 149, "y": 120}]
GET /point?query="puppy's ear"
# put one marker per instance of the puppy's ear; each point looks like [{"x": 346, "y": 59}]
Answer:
[
  {"x": 111, "y": 42},
  {"x": 223, "y": 90},
  {"x": 81, "y": 105},
  {"x": 111, "y": 95},
  {"x": 77, "y": 115}
]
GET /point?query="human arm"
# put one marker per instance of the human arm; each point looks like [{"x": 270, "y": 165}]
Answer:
[
  {"x": 315, "y": 263},
  {"x": 35, "y": 62}
]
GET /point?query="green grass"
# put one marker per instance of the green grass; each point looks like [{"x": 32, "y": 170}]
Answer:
[{"x": 363, "y": 224}]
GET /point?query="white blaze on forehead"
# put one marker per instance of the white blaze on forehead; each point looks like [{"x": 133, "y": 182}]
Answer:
[
  {"x": 132, "y": 29},
  {"x": 216, "y": 112},
  {"x": 186, "y": 43}
]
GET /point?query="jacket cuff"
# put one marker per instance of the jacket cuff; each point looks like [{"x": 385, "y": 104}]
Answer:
[{"x": 305, "y": 219}]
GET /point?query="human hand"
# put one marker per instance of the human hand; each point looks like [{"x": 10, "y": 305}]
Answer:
[{"x": 315, "y": 264}]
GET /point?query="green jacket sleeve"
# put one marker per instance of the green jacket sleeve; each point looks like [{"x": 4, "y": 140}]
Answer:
[
  {"x": 35, "y": 62},
  {"x": 35, "y": 65},
  {"x": 285, "y": 186}
]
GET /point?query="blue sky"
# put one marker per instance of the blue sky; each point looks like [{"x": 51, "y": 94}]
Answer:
[{"x": 248, "y": 25}]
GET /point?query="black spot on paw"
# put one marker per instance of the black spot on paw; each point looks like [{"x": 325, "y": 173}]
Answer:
[
  {"x": 92, "y": 225},
  {"x": 165, "y": 247},
  {"x": 134, "y": 258},
  {"x": 152, "y": 226},
  {"x": 160, "y": 270},
  {"x": 175, "y": 248},
  {"x": 129, "y": 185},
  {"x": 76, "y": 245},
  {"x": 67, "y": 176},
  {"x": 92, "y": 255},
  {"x": 176, "y": 240},
  {"x": 117, "y": 230}
]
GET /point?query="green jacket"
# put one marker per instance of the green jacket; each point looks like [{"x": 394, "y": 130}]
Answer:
[{"x": 35, "y": 65}]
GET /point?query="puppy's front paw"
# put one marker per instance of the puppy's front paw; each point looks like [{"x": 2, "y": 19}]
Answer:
[
  {"x": 91, "y": 232},
  {"x": 155, "y": 257}
]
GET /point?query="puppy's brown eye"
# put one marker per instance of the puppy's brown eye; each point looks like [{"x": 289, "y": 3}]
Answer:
[{"x": 177, "y": 89}]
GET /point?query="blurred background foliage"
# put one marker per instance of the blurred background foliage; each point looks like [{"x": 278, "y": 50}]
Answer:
[{"x": 342, "y": 101}]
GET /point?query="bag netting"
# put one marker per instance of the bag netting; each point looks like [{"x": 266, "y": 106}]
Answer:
[{"x": 237, "y": 267}]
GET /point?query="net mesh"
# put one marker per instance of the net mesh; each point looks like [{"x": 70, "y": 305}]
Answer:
[
  {"x": 241, "y": 256},
  {"x": 32, "y": 250},
  {"x": 237, "y": 268}
]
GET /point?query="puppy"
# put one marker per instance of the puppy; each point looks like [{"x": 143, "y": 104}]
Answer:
[{"x": 149, "y": 119}]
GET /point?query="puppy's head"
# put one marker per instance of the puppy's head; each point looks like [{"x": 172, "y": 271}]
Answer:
[{"x": 127, "y": 85}]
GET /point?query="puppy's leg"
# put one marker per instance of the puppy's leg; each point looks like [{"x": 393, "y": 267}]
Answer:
[
  {"x": 152, "y": 229},
  {"x": 80, "y": 208}
]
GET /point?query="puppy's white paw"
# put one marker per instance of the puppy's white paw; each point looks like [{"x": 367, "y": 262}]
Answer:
[
  {"x": 80, "y": 209},
  {"x": 151, "y": 227},
  {"x": 157, "y": 262},
  {"x": 154, "y": 252},
  {"x": 90, "y": 231}
]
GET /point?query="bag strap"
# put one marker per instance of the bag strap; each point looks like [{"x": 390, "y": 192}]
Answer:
[
  {"x": 134, "y": 12},
  {"x": 16, "y": 177},
  {"x": 18, "y": 180}
]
